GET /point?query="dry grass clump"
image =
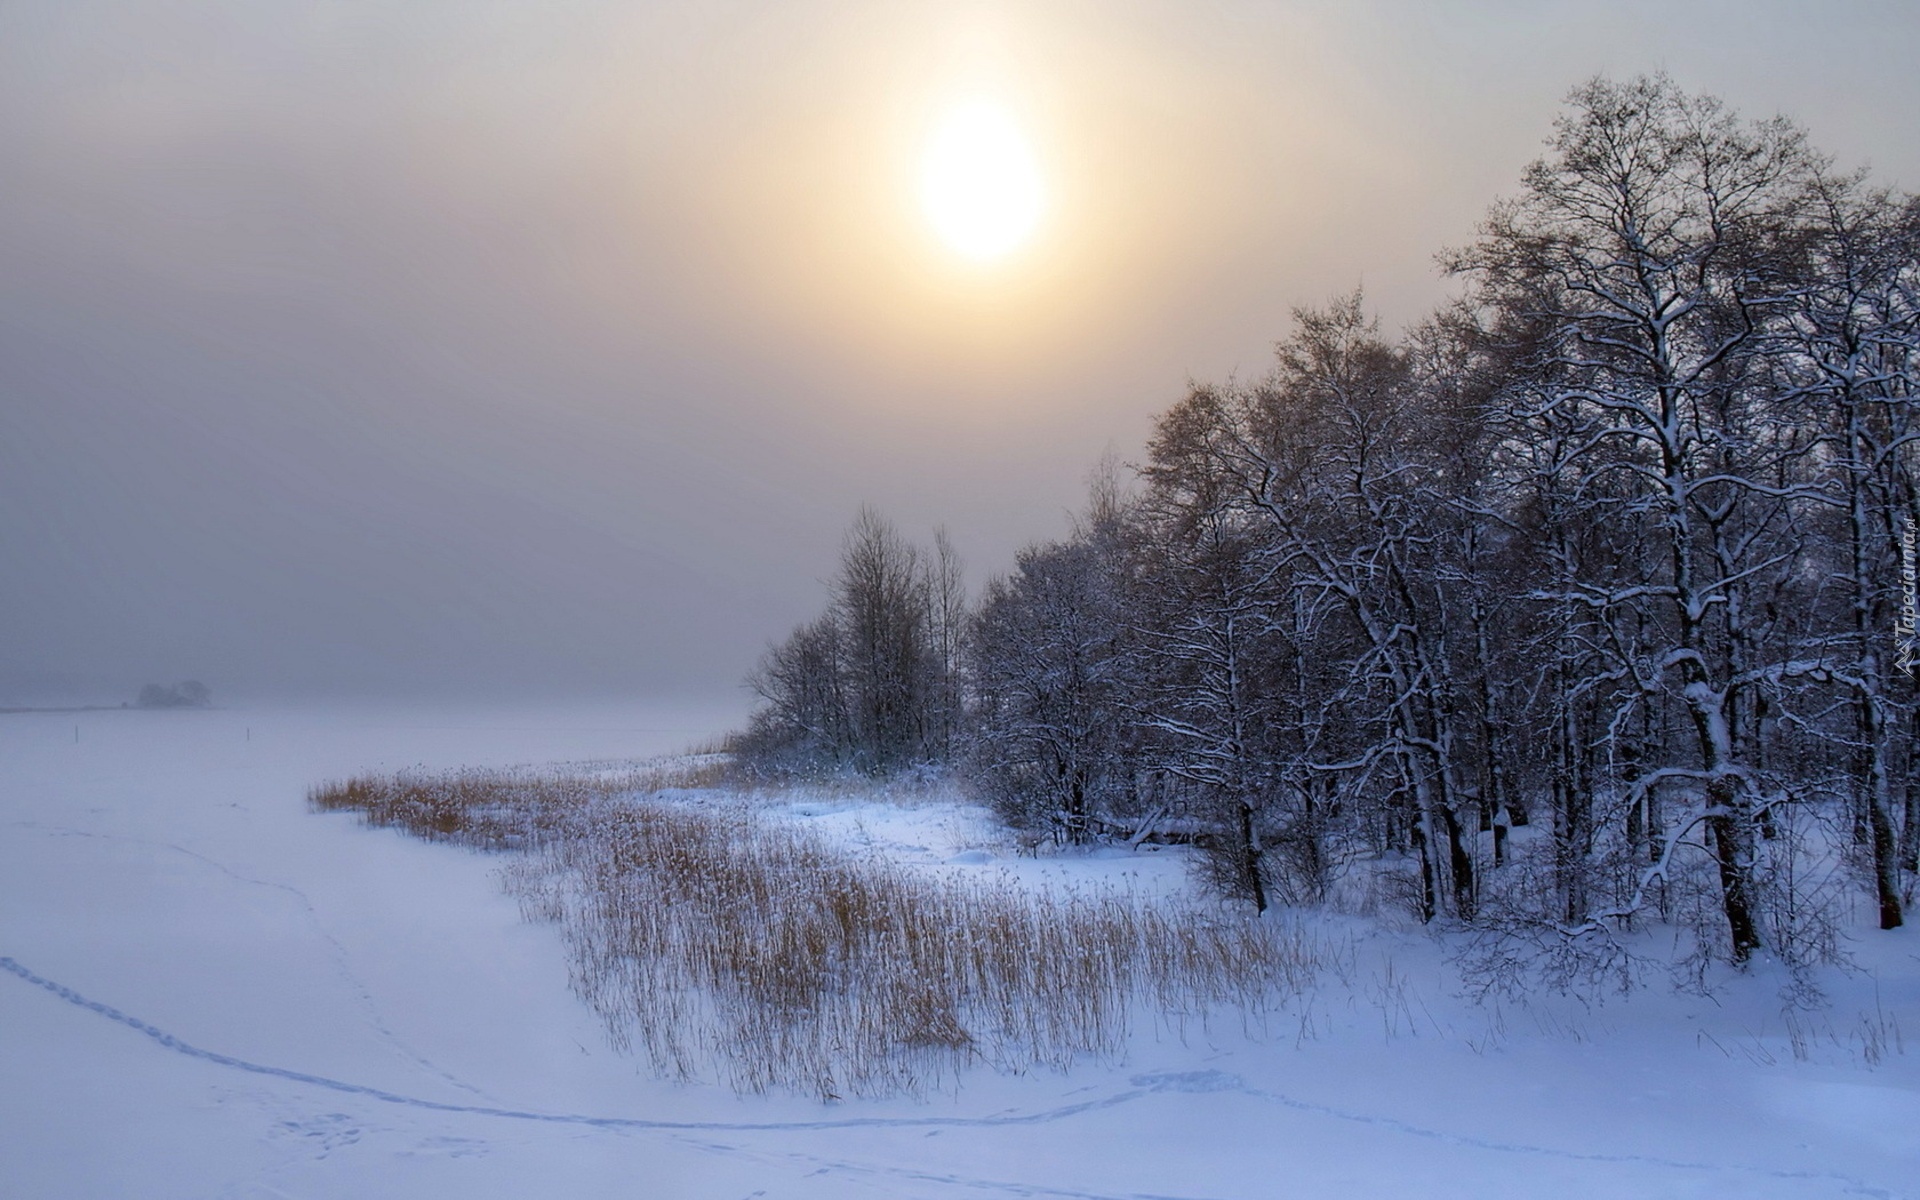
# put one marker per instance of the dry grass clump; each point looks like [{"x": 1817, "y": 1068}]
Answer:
[
  {"x": 717, "y": 937},
  {"x": 504, "y": 807},
  {"x": 720, "y": 941}
]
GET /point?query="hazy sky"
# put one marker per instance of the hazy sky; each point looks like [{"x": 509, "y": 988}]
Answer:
[{"x": 535, "y": 347}]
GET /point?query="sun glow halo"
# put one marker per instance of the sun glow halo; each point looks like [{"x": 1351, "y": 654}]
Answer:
[{"x": 979, "y": 183}]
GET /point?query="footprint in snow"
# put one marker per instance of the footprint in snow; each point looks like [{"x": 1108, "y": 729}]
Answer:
[
  {"x": 449, "y": 1147},
  {"x": 324, "y": 1134},
  {"x": 1189, "y": 1081}
]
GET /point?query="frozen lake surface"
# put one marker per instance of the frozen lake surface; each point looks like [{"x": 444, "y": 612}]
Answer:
[{"x": 211, "y": 992}]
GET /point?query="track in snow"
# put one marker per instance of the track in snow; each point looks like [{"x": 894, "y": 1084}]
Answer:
[
  {"x": 341, "y": 960},
  {"x": 1143, "y": 1086}
]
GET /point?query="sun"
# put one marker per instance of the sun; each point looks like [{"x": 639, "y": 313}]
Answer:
[{"x": 979, "y": 183}]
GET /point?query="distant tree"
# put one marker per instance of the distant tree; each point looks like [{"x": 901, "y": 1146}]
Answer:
[
  {"x": 1048, "y": 665},
  {"x": 190, "y": 694},
  {"x": 883, "y": 606},
  {"x": 805, "y": 722},
  {"x": 948, "y": 614},
  {"x": 871, "y": 684}
]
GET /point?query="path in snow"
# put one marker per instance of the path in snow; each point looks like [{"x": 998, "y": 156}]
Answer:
[
  {"x": 363, "y": 994},
  {"x": 1143, "y": 1086}
]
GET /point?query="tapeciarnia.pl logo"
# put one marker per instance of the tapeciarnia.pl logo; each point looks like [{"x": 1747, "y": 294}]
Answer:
[{"x": 1907, "y": 630}]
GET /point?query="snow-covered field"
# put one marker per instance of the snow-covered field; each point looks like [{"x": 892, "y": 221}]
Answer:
[{"x": 210, "y": 992}]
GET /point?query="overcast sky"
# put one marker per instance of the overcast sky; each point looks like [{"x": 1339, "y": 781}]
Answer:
[{"x": 542, "y": 348}]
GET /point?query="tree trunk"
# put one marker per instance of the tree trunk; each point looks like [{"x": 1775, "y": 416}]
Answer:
[
  {"x": 1731, "y": 841},
  {"x": 1461, "y": 862},
  {"x": 1428, "y": 892},
  {"x": 1250, "y": 859}
]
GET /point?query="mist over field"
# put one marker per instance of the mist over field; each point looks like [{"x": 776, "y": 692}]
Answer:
[{"x": 398, "y": 349}]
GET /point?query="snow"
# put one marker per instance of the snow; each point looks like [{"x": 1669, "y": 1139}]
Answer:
[{"x": 210, "y": 992}]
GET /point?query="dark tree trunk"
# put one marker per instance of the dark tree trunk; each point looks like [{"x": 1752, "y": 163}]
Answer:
[
  {"x": 1730, "y": 843},
  {"x": 1250, "y": 859},
  {"x": 1886, "y": 868},
  {"x": 1429, "y": 894},
  {"x": 1464, "y": 893}
]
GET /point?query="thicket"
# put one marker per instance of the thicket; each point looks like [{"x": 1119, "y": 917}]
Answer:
[
  {"x": 872, "y": 685},
  {"x": 1615, "y": 551}
]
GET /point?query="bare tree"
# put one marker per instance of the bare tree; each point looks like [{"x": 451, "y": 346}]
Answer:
[
  {"x": 1050, "y": 672},
  {"x": 1856, "y": 327},
  {"x": 947, "y": 618},
  {"x": 1645, "y": 244},
  {"x": 805, "y": 721},
  {"x": 869, "y": 685}
]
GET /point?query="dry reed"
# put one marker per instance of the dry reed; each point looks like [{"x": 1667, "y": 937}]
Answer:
[{"x": 716, "y": 939}]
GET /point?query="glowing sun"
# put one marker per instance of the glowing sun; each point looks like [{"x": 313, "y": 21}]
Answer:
[{"x": 979, "y": 183}]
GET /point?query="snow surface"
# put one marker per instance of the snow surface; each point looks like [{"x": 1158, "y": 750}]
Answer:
[{"x": 209, "y": 992}]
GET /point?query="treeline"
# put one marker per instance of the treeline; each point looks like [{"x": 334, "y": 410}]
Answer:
[
  {"x": 190, "y": 694},
  {"x": 873, "y": 684},
  {"x": 1617, "y": 549}
]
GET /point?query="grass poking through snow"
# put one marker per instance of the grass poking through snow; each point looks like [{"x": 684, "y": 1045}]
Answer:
[{"x": 721, "y": 941}]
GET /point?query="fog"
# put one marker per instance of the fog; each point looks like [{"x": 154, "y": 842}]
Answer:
[{"x": 528, "y": 349}]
